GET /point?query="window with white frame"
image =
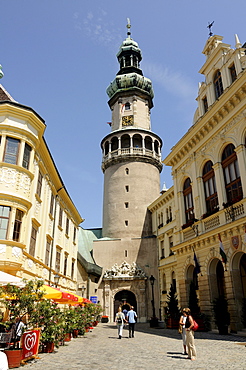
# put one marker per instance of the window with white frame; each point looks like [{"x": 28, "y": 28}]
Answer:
[
  {"x": 232, "y": 177},
  {"x": 211, "y": 197},
  {"x": 4, "y": 221}
]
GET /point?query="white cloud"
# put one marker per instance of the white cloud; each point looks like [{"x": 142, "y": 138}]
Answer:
[
  {"x": 173, "y": 82},
  {"x": 97, "y": 27}
]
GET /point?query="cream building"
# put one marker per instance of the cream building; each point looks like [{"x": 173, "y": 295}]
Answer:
[
  {"x": 38, "y": 220},
  {"x": 207, "y": 199}
]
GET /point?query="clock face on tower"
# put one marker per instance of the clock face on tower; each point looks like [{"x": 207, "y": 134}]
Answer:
[{"x": 127, "y": 121}]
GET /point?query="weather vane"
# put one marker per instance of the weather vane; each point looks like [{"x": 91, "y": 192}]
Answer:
[
  {"x": 128, "y": 26},
  {"x": 209, "y": 27}
]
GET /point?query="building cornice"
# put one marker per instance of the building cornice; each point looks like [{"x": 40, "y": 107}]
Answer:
[{"x": 228, "y": 105}]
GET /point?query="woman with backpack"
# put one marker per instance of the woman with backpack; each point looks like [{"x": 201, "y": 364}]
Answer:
[{"x": 119, "y": 320}]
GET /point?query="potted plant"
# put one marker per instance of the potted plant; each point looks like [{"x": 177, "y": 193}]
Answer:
[
  {"x": 104, "y": 319},
  {"x": 48, "y": 317},
  {"x": 221, "y": 314},
  {"x": 19, "y": 303},
  {"x": 172, "y": 311}
]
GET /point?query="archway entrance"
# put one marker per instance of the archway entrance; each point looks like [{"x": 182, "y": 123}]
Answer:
[
  {"x": 239, "y": 285},
  {"x": 125, "y": 299},
  {"x": 216, "y": 279}
]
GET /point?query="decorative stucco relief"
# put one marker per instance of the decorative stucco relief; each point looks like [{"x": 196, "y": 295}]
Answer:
[
  {"x": 124, "y": 270},
  {"x": 8, "y": 177},
  {"x": 2, "y": 248},
  {"x": 30, "y": 263},
  {"x": 25, "y": 183},
  {"x": 17, "y": 252}
]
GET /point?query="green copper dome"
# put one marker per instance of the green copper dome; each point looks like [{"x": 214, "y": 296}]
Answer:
[{"x": 130, "y": 75}]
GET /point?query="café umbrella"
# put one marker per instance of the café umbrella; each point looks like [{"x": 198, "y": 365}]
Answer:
[{"x": 58, "y": 295}]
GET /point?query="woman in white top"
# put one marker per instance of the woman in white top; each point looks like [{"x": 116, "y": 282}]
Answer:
[
  {"x": 119, "y": 320},
  {"x": 182, "y": 322}
]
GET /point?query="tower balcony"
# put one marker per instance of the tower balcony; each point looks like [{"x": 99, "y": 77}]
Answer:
[{"x": 131, "y": 146}]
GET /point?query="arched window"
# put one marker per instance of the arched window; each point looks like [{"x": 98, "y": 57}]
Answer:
[
  {"x": 114, "y": 144},
  {"x": 156, "y": 146},
  {"x": 218, "y": 86},
  {"x": 106, "y": 147},
  {"x": 137, "y": 141},
  {"x": 125, "y": 141},
  {"x": 231, "y": 174},
  {"x": 210, "y": 190},
  {"x": 188, "y": 201},
  {"x": 127, "y": 106},
  {"x": 148, "y": 143},
  {"x": 233, "y": 72}
]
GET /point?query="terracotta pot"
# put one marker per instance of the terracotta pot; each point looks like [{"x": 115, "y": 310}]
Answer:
[
  {"x": 68, "y": 337},
  {"x": 48, "y": 347},
  {"x": 172, "y": 323},
  {"x": 75, "y": 333},
  {"x": 14, "y": 357}
]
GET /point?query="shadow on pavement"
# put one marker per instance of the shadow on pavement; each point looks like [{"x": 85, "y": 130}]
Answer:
[{"x": 173, "y": 333}]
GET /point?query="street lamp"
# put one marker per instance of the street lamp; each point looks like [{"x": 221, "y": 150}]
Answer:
[
  {"x": 152, "y": 282},
  {"x": 56, "y": 279},
  {"x": 82, "y": 290}
]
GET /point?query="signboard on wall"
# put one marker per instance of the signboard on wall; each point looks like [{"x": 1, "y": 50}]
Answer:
[{"x": 93, "y": 299}]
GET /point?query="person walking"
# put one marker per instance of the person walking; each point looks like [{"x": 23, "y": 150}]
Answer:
[
  {"x": 119, "y": 320},
  {"x": 182, "y": 322},
  {"x": 131, "y": 318},
  {"x": 189, "y": 334}
]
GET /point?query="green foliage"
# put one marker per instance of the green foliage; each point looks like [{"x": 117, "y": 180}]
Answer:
[
  {"x": 21, "y": 301},
  {"x": 48, "y": 317},
  {"x": 221, "y": 314},
  {"x": 173, "y": 310},
  {"x": 193, "y": 300}
]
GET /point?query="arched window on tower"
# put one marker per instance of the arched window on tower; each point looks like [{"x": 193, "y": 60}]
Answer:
[
  {"x": 106, "y": 147},
  {"x": 148, "y": 143},
  {"x": 188, "y": 201},
  {"x": 137, "y": 141},
  {"x": 211, "y": 197},
  {"x": 125, "y": 141},
  {"x": 127, "y": 106},
  {"x": 232, "y": 177},
  {"x": 114, "y": 144},
  {"x": 218, "y": 85},
  {"x": 156, "y": 146}
]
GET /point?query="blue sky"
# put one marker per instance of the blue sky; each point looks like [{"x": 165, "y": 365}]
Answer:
[{"x": 59, "y": 56}]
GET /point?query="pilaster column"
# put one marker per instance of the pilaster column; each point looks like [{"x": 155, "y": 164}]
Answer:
[
  {"x": 202, "y": 196},
  {"x": 143, "y": 144},
  {"x": 131, "y": 144},
  {"x": 220, "y": 185},
  {"x": 241, "y": 157},
  {"x": 119, "y": 145}
]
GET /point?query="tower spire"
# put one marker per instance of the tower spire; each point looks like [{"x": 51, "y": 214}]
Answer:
[{"x": 128, "y": 26}]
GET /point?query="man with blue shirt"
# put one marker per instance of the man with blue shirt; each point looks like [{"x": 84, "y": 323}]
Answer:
[{"x": 131, "y": 318}]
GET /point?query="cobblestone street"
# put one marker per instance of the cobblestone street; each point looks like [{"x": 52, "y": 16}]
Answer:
[{"x": 150, "y": 349}]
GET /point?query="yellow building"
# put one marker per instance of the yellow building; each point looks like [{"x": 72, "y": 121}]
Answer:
[
  {"x": 207, "y": 200},
  {"x": 38, "y": 220}
]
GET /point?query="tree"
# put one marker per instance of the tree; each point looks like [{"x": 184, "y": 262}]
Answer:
[
  {"x": 193, "y": 300},
  {"x": 173, "y": 310}
]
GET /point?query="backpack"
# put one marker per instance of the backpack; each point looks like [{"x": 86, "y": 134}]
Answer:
[{"x": 119, "y": 319}]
